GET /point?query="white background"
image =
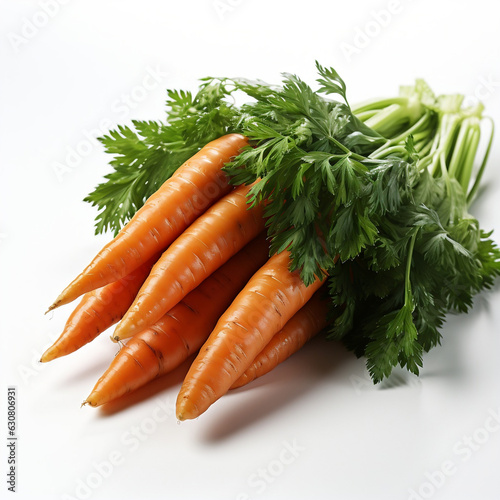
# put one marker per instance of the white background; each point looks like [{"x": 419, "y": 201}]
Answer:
[{"x": 73, "y": 73}]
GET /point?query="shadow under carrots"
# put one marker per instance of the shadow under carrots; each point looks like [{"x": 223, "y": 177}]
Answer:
[
  {"x": 82, "y": 371},
  {"x": 150, "y": 390},
  {"x": 279, "y": 388},
  {"x": 78, "y": 369}
]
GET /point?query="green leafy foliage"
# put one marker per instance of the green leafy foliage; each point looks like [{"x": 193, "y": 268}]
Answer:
[
  {"x": 319, "y": 188},
  {"x": 376, "y": 200},
  {"x": 408, "y": 251},
  {"x": 148, "y": 153}
]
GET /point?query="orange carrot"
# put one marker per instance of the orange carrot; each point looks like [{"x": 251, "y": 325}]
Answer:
[
  {"x": 180, "y": 200},
  {"x": 97, "y": 311},
  {"x": 304, "y": 325},
  {"x": 204, "y": 246},
  {"x": 181, "y": 332},
  {"x": 271, "y": 297}
]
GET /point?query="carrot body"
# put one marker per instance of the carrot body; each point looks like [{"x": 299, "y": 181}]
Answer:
[
  {"x": 181, "y": 332},
  {"x": 271, "y": 297},
  {"x": 304, "y": 325},
  {"x": 179, "y": 201},
  {"x": 203, "y": 247},
  {"x": 97, "y": 311}
]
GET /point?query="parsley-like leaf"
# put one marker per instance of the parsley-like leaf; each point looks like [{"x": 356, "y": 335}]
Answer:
[{"x": 146, "y": 155}]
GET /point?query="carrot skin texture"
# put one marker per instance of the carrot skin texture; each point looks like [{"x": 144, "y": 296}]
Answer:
[
  {"x": 203, "y": 247},
  {"x": 271, "y": 297},
  {"x": 164, "y": 346},
  {"x": 196, "y": 185},
  {"x": 97, "y": 311},
  {"x": 304, "y": 325}
]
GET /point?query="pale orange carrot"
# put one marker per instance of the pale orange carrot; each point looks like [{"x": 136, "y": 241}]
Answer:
[
  {"x": 271, "y": 297},
  {"x": 203, "y": 247},
  {"x": 164, "y": 346},
  {"x": 166, "y": 214},
  {"x": 305, "y": 324},
  {"x": 97, "y": 311}
]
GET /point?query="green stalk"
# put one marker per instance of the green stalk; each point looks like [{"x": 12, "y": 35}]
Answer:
[
  {"x": 365, "y": 115},
  {"x": 377, "y": 104},
  {"x": 447, "y": 148},
  {"x": 386, "y": 151},
  {"x": 401, "y": 138},
  {"x": 458, "y": 150},
  {"x": 475, "y": 187},
  {"x": 447, "y": 130},
  {"x": 424, "y": 151},
  {"x": 408, "y": 296},
  {"x": 389, "y": 120},
  {"x": 465, "y": 172}
]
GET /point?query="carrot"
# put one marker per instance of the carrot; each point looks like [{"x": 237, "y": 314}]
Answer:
[
  {"x": 305, "y": 324},
  {"x": 208, "y": 243},
  {"x": 180, "y": 200},
  {"x": 271, "y": 297},
  {"x": 181, "y": 332},
  {"x": 97, "y": 311}
]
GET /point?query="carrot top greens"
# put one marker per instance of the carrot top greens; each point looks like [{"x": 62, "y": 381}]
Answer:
[
  {"x": 146, "y": 155},
  {"x": 376, "y": 197}
]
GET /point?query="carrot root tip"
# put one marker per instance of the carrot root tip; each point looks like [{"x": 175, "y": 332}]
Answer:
[
  {"x": 51, "y": 353},
  {"x": 45, "y": 357},
  {"x": 55, "y": 305}
]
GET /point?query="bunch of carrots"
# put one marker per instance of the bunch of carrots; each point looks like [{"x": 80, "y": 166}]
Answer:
[
  {"x": 191, "y": 273},
  {"x": 238, "y": 215}
]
